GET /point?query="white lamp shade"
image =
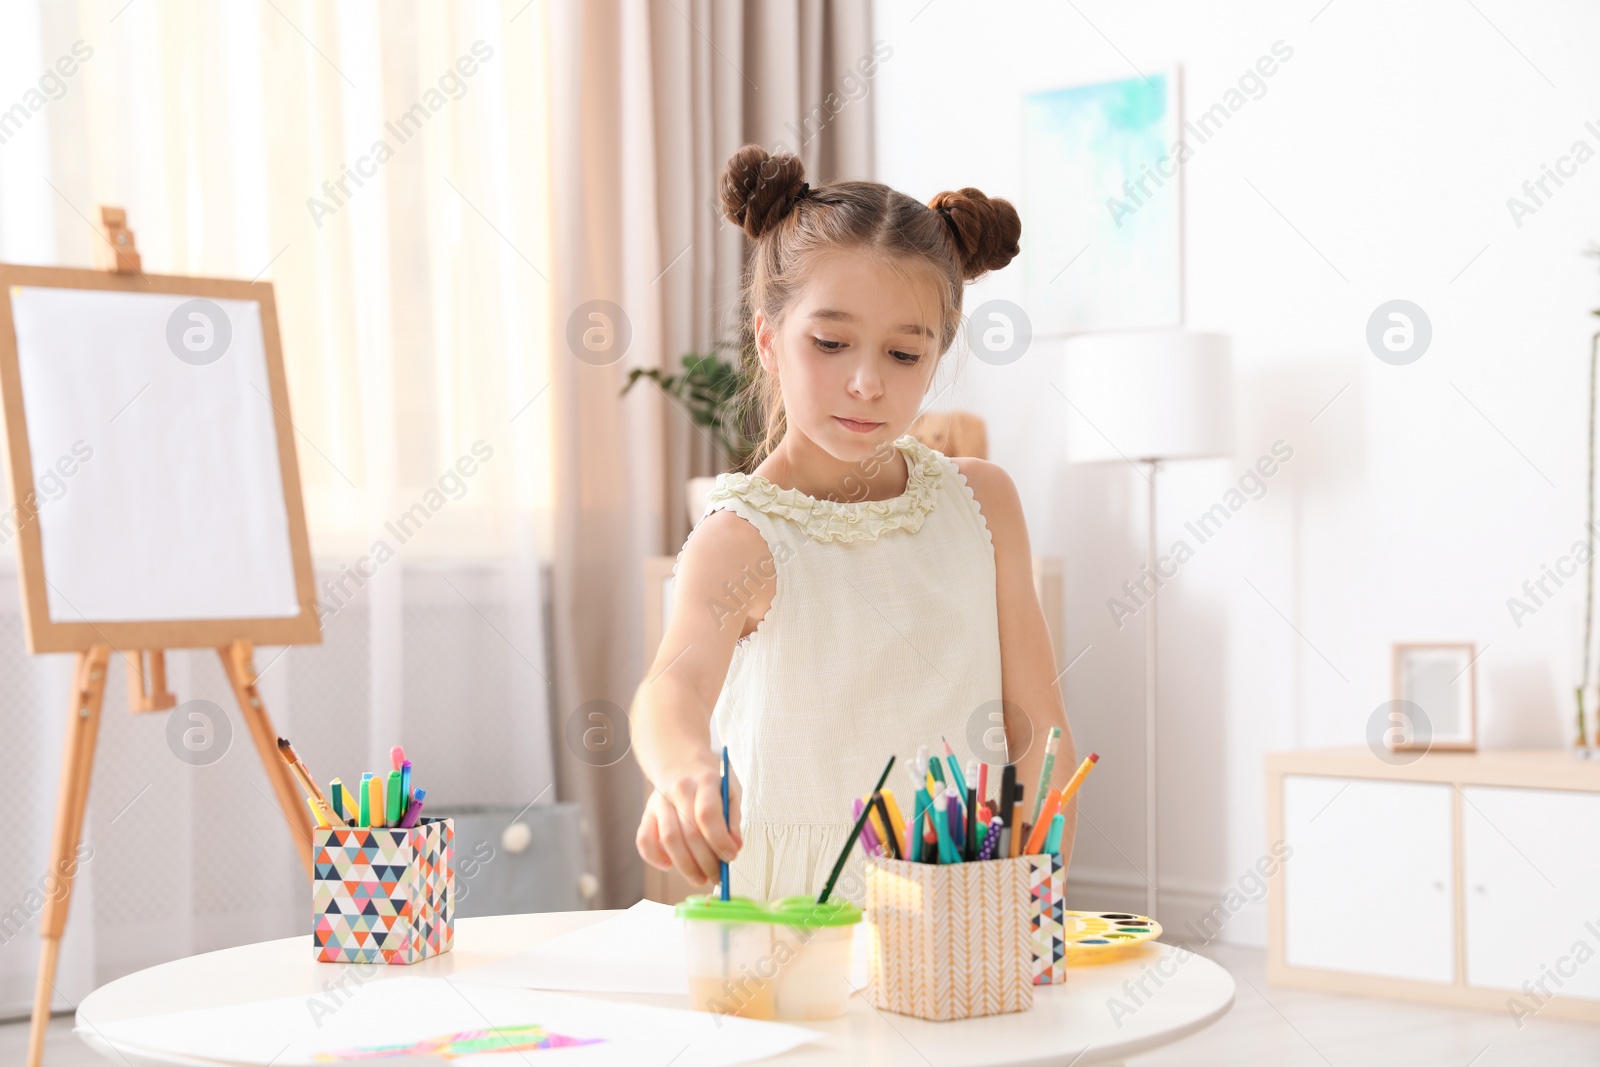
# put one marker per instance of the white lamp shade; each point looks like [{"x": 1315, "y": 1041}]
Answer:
[{"x": 1148, "y": 394}]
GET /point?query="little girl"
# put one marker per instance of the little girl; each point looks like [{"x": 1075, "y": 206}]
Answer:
[{"x": 859, "y": 594}]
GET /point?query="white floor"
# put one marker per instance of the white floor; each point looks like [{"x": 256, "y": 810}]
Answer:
[{"x": 1269, "y": 1026}]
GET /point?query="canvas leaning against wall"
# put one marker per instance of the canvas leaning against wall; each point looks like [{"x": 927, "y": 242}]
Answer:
[{"x": 1103, "y": 204}]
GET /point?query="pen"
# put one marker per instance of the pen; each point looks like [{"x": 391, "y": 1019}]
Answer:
[
  {"x": 1046, "y": 768},
  {"x": 1016, "y": 819},
  {"x": 983, "y": 783},
  {"x": 973, "y": 839},
  {"x": 958, "y": 832},
  {"x": 941, "y": 827},
  {"x": 1008, "y": 781}
]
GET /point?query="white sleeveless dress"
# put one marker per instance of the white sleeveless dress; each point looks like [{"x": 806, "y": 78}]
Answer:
[{"x": 883, "y": 635}]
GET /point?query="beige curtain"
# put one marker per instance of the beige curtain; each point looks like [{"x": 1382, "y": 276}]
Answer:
[{"x": 649, "y": 99}]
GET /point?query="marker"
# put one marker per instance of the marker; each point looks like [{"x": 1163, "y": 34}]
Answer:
[
  {"x": 1052, "y": 804},
  {"x": 336, "y": 797},
  {"x": 869, "y": 835},
  {"x": 375, "y": 806},
  {"x": 1058, "y": 826},
  {"x": 941, "y": 827},
  {"x": 397, "y": 757},
  {"x": 1046, "y": 768},
  {"x": 991, "y": 840},
  {"x": 364, "y": 798},
  {"x": 414, "y": 812},
  {"x": 983, "y": 783},
  {"x": 1008, "y": 781},
  {"x": 394, "y": 799},
  {"x": 405, "y": 781}
]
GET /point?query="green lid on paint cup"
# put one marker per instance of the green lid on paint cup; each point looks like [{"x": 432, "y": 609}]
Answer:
[
  {"x": 805, "y": 911},
  {"x": 710, "y": 907}
]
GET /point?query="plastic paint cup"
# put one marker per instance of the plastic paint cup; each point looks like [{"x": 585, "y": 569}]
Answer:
[
  {"x": 813, "y": 942},
  {"x": 732, "y": 968},
  {"x": 789, "y": 959}
]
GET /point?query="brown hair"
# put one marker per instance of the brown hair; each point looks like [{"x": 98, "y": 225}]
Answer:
[{"x": 960, "y": 235}]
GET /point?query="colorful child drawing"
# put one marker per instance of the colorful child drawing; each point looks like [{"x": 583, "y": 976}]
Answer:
[{"x": 467, "y": 1043}]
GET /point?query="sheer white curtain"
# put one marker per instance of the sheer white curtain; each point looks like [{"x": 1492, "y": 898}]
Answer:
[{"x": 385, "y": 166}]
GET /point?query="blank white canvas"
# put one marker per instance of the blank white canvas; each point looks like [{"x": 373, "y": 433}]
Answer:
[{"x": 178, "y": 511}]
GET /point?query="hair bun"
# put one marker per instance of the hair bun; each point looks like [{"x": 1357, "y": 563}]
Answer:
[
  {"x": 758, "y": 189},
  {"x": 984, "y": 231}
]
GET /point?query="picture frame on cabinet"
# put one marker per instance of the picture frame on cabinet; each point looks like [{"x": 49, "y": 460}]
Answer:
[{"x": 1436, "y": 686}]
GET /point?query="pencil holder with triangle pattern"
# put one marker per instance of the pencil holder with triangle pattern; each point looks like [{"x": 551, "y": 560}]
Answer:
[
  {"x": 383, "y": 894},
  {"x": 1047, "y": 916},
  {"x": 950, "y": 941}
]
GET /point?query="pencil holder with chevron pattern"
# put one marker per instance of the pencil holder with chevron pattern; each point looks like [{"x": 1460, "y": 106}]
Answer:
[{"x": 950, "y": 941}]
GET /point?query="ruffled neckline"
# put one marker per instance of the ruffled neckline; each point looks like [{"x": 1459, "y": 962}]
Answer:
[{"x": 842, "y": 520}]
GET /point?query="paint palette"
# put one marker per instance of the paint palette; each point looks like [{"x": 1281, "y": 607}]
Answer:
[{"x": 1102, "y": 936}]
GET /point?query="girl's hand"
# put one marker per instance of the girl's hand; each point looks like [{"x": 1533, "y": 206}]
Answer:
[{"x": 682, "y": 825}]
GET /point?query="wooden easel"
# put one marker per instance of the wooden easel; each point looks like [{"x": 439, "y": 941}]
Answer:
[{"x": 147, "y": 692}]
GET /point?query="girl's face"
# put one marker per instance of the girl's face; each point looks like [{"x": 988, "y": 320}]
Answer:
[{"x": 854, "y": 353}]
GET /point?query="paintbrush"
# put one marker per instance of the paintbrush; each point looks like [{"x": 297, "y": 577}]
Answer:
[{"x": 308, "y": 783}]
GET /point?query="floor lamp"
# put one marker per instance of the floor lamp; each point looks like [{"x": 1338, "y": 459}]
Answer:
[{"x": 1145, "y": 398}]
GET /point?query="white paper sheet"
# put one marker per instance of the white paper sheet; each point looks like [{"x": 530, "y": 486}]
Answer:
[
  {"x": 641, "y": 950},
  {"x": 300, "y": 1031},
  {"x": 159, "y": 490}
]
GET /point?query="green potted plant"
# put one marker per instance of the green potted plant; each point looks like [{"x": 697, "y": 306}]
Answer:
[{"x": 709, "y": 390}]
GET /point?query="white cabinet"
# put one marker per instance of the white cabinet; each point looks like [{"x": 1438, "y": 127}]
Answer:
[
  {"x": 1461, "y": 878},
  {"x": 1368, "y": 884},
  {"x": 1532, "y": 873}
]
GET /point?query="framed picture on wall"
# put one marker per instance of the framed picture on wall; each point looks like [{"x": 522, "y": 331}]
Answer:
[
  {"x": 1439, "y": 680},
  {"x": 1102, "y": 187}
]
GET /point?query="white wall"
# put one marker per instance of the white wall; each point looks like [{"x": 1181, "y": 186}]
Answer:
[{"x": 1376, "y": 166}]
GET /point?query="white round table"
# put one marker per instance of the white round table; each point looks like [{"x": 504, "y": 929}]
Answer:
[{"x": 1093, "y": 1019}]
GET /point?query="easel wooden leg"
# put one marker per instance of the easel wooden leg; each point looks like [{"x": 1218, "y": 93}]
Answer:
[
  {"x": 77, "y": 763},
  {"x": 237, "y": 664}
]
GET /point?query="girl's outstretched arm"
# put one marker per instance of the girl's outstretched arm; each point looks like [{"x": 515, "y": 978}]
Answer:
[
  {"x": 1029, "y": 686},
  {"x": 670, "y": 720}
]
